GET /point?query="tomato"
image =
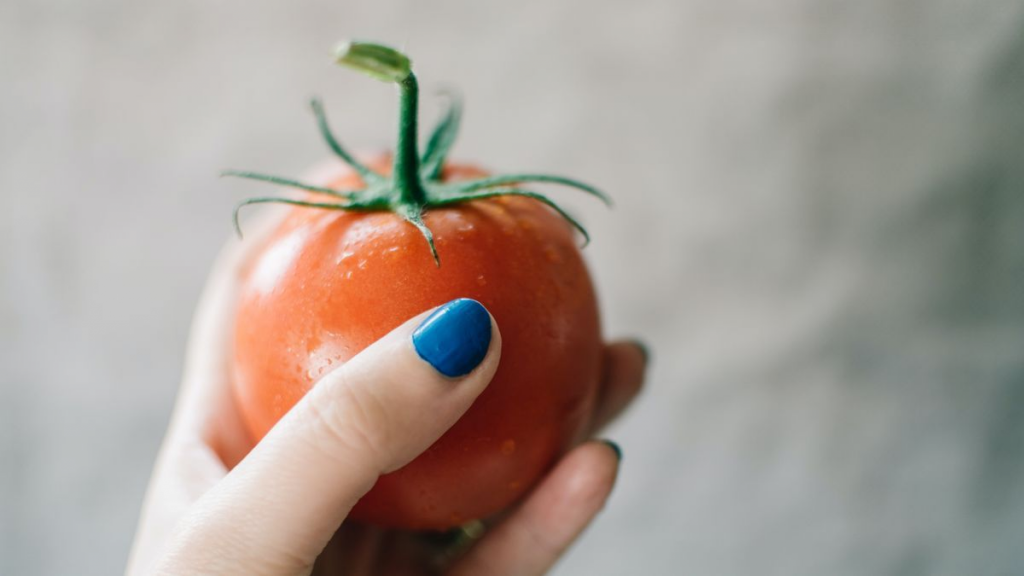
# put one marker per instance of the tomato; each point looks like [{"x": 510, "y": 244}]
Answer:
[{"x": 329, "y": 282}]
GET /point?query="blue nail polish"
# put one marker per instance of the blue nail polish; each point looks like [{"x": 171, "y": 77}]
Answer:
[
  {"x": 615, "y": 447},
  {"x": 454, "y": 339}
]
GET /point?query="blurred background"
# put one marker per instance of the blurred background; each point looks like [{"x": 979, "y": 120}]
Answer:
[{"x": 819, "y": 230}]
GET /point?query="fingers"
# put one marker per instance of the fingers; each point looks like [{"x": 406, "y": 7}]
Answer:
[
  {"x": 205, "y": 407},
  {"x": 573, "y": 493},
  {"x": 533, "y": 538},
  {"x": 206, "y": 434},
  {"x": 625, "y": 364},
  {"x": 279, "y": 507}
]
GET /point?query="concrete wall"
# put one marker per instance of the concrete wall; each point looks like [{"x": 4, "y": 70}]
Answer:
[{"x": 819, "y": 228}]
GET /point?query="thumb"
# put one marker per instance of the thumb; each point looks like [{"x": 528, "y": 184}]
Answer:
[{"x": 277, "y": 509}]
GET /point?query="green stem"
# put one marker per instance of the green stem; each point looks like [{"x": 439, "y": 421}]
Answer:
[
  {"x": 406, "y": 192},
  {"x": 390, "y": 65},
  {"x": 407, "y": 159}
]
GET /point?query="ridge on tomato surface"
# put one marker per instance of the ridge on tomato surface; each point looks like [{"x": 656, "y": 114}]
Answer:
[
  {"x": 347, "y": 264},
  {"x": 415, "y": 182}
]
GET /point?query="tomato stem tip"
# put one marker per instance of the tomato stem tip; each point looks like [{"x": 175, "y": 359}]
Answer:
[{"x": 376, "y": 60}]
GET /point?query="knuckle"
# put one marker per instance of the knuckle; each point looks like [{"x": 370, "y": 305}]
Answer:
[
  {"x": 349, "y": 421},
  {"x": 542, "y": 541}
]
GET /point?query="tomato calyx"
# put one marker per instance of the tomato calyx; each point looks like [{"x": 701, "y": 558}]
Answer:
[{"x": 415, "y": 183}]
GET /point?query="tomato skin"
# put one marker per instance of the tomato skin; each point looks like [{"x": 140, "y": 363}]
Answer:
[{"x": 329, "y": 283}]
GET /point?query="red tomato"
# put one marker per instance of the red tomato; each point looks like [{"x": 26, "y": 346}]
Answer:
[
  {"x": 328, "y": 283},
  {"x": 364, "y": 253}
]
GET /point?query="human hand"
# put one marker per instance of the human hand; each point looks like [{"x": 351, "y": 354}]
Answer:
[{"x": 216, "y": 504}]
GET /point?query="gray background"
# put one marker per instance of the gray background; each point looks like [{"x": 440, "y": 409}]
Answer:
[{"x": 819, "y": 229}]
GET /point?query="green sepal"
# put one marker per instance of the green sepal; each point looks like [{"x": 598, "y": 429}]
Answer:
[
  {"x": 441, "y": 139},
  {"x": 369, "y": 176},
  {"x": 504, "y": 179},
  {"x": 414, "y": 216},
  {"x": 413, "y": 186},
  {"x": 496, "y": 192},
  {"x": 277, "y": 200},
  {"x": 286, "y": 182}
]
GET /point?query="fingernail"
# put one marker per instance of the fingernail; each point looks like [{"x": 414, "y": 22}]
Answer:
[
  {"x": 454, "y": 339},
  {"x": 615, "y": 447},
  {"x": 644, "y": 350}
]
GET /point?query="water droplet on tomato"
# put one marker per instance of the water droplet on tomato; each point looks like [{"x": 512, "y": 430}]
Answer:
[
  {"x": 552, "y": 255},
  {"x": 508, "y": 447},
  {"x": 344, "y": 256}
]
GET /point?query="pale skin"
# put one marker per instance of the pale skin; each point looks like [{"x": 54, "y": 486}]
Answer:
[{"x": 217, "y": 505}]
